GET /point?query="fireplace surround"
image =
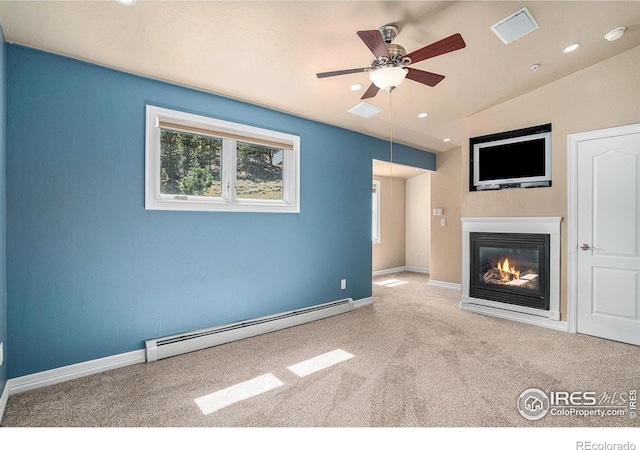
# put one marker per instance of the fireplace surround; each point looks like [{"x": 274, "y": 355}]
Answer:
[{"x": 528, "y": 293}]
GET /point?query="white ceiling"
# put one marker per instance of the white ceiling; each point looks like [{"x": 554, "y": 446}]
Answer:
[{"x": 268, "y": 52}]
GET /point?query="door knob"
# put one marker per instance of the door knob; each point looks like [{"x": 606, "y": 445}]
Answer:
[{"x": 587, "y": 247}]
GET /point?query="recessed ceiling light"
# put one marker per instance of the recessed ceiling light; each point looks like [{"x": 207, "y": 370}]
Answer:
[
  {"x": 615, "y": 34},
  {"x": 422, "y": 115},
  {"x": 535, "y": 67},
  {"x": 571, "y": 48},
  {"x": 127, "y": 2},
  {"x": 355, "y": 87},
  {"x": 446, "y": 140}
]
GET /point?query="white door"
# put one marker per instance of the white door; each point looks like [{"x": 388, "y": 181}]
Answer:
[{"x": 608, "y": 235}]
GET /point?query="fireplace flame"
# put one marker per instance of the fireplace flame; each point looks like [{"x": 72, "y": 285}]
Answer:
[{"x": 507, "y": 272}]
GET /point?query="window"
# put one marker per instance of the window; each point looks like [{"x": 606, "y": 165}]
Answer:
[
  {"x": 196, "y": 163},
  {"x": 375, "y": 216}
]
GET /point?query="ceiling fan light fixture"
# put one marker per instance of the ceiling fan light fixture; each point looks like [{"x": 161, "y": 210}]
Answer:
[{"x": 388, "y": 78}]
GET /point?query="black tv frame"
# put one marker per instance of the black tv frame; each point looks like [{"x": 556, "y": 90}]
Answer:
[{"x": 546, "y": 128}]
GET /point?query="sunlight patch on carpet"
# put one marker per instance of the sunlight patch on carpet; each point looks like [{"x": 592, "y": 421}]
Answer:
[
  {"x": 217, "y": 400},
  {"x": 391, "y": 282},
  {"x": 320, "y": 362}
]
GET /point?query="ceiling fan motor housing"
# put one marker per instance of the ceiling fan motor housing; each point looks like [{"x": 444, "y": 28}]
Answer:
[
  {"x": 396, "y": 58},
  {"x": 389, "y": 33},
  {"x": 396, "y": 52}
]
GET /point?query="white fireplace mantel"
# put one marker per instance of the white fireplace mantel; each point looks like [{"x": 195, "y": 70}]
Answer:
[{"x": 536, "y": 225}]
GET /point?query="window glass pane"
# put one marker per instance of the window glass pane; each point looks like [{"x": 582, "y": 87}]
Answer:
[
  {"x": 189, "y": 157},
  {"x": 259, "y": 172},
  {"x": 190, "y": 164}
]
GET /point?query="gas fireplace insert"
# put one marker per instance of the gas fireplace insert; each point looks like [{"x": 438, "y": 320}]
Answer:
[{"x": 510, "y": 268}]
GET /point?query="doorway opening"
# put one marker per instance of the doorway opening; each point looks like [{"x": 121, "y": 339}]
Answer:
[{"x": 401, "y": 219}]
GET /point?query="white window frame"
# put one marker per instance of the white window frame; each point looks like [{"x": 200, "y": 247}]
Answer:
[
  {"x": 375, "y": 215},
  {"x": 228, "y": 131}
]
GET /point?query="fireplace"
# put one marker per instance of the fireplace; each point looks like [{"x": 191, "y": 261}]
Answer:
[{"x": 510, "y": 268}]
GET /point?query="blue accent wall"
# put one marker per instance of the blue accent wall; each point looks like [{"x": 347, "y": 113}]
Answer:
[
  {"x": 3, "y": 210},
  {"x": 91, "y": 273}
]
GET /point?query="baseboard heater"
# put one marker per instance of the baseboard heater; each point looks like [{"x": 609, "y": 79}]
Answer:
[{"x": 177, "y": 344}]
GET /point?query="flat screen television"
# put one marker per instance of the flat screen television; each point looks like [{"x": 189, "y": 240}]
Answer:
[{"x": 513, "y": 159}]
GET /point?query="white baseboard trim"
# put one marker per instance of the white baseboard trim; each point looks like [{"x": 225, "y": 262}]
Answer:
[
  {"x": 378, "y": 273},
  {"x": 417, "y": 269},
  {"x": 4, "y": 398},
  {"x": 518, "y": 317},
  {"x": 362, "y": 302},
  {"x": 62, "y": 374},
  {"x": 445, "y": 284}
]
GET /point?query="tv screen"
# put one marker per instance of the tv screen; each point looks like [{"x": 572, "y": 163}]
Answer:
[
  {"x": 511, "y": 159},
  {"x": 514, "y": 160}
]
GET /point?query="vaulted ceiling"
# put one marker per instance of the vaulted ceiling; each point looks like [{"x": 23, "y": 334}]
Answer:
[{"x": 268, "y": 52}]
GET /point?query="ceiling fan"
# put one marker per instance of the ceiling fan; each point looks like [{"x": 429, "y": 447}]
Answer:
[{"x": 390, "y": 64}]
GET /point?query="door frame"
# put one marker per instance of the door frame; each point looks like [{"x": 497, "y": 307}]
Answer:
[{"x": 573, "y": 140}]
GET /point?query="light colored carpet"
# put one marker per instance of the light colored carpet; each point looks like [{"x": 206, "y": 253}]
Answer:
[{"x": 418, "y": 362}]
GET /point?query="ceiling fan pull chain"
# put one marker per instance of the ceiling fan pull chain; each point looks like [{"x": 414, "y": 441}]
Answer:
[{"x": 391, "y": 138}]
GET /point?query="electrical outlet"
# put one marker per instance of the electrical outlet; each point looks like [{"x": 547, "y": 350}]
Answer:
[
  {"x": 443, "y": 222},
  {"x": 343, "y": 283}
]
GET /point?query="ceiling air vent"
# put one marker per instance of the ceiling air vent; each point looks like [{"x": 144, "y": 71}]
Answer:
[
  {"x": 515, "y": 26},
  {"x": 365, "y": 110}
]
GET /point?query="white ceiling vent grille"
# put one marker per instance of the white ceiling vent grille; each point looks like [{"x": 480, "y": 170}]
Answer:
[
  {"x": 515, "y": 26},
  {"x": 365, "y": 110}
]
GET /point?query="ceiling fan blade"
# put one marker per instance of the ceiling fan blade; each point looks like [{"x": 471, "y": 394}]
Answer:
[
  {"x": 446, "y": 45},
  {"x": 371, "y": 92},
  {"x": 341, "y": 72},
  {"x": 428, "y": 78},
  {"x": 374, "y": 40}
]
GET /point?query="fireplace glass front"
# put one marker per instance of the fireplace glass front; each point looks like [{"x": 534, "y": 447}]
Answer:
[{"x": 510, "y": 268}]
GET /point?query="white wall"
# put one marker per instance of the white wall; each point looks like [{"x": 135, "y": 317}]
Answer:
[
  {"x": 389, "y": 253},
  {"x": 418, "y": 223}
]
